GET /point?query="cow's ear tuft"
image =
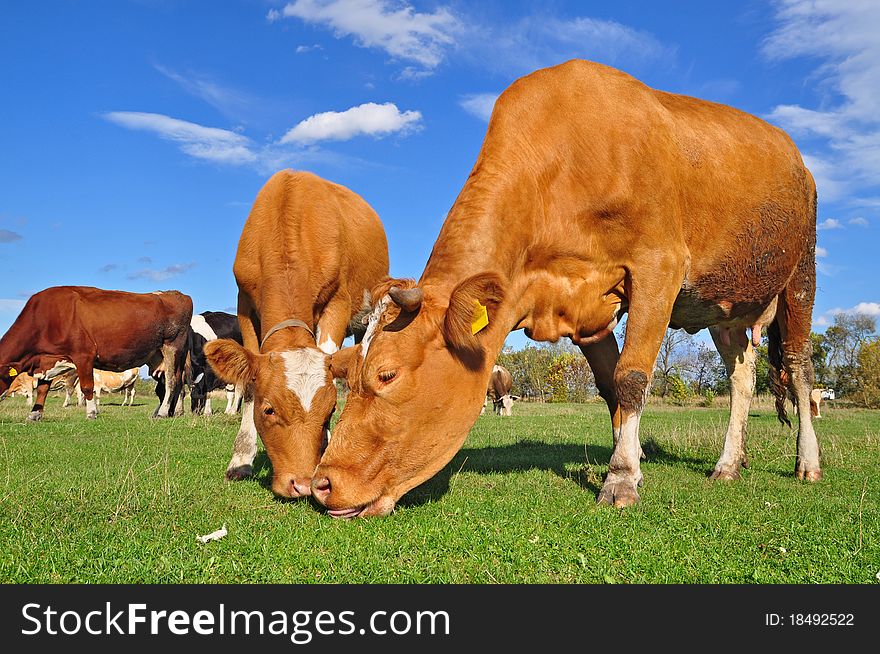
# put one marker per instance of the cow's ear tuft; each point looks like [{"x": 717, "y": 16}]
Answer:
[
  {"x": 231, "y": 362},
  {"x": 466, "y": 322}
]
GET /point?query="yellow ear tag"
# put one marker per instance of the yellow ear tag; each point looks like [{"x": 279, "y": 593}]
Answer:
[
  {"x": 480, "y": 319},
  {"x": 13, "y": 372}
]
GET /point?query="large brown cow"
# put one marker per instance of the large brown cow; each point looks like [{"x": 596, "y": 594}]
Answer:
[
  {"x": 593, "y": 195},
  {"x": 308, "y": 254},
  {"x": 64, "y": 327}
]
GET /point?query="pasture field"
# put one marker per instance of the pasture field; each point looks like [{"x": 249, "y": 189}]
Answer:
[{"x": 122, "y": 499}]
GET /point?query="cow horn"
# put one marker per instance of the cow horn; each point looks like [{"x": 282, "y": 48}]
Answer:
[{"x": 409, "y": 299}]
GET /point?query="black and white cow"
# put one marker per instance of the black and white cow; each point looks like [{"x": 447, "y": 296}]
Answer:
[{"x": 209, "y": 326}]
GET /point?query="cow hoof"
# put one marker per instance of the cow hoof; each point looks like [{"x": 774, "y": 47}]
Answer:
[
  {"x": 808, "y": 475},
  {"x": 618, "y": 493},
  {"x": 35, "y": 416},
  {"x": 91, "y": 416},
  {"x": 724, "y": 474},
  {"x": 239, "y": 473}
]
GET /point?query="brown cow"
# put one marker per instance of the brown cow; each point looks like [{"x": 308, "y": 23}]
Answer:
[
  {"x": 66, "y": 327},
  {"x": 498, "y": 391},
  {"x": 308, "y": 254},
  {"x": 593, "y": 195}
]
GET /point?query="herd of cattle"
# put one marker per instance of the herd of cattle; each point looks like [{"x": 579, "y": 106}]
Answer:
[{"x": 593, "y": 196}]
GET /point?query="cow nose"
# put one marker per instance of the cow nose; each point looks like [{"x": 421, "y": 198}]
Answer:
[
  {"x": 301, "y": 488},
  {"x": 321, "y": 489}
]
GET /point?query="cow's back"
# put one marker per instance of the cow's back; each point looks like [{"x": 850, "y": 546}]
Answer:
[{"x": 305, "y": 234}]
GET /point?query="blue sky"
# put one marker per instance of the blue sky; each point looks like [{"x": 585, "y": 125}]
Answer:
[{"x": 135, "y": 135}]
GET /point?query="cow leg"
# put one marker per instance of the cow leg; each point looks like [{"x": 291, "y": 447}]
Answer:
[
  {"x": 794, "y": 318},
  {"x": 603, "y": 357},
  {"x": 649, "y": 311},
  {"x": 172, "y": 359},
  {"x": 207, "y": 405},
  {"x": 87, "y": 385},
  {"x": 739, "y": 360},
  {"x": 131, "y": 392},
  {"x": 232, "y": 398},
  {"x": 244, "y": 449},
  {"x": 41, "y": 394}
]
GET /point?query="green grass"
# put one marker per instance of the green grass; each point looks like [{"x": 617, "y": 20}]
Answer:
[{"x": 122, "y": 499}]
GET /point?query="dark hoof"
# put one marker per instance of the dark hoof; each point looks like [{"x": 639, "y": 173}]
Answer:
[
  {"x": 618, "y": 493},
  {"x": 808, "y": 475},
  {"x": 239, "y": 473},
  {"x": 724, "y": 474}
]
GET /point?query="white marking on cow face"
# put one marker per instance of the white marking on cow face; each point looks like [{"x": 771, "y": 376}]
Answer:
[
  {"x": 373, "y": 323},
  {"x": 200, "y": 326},
  {"x": 306, "y": 373},
  {"x": 328, "y": 346}
]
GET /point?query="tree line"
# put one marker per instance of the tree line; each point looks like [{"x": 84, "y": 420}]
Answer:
[{"x": 846, "y": 358}]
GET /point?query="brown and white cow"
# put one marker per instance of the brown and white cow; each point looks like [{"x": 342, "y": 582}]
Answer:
[
  {"x": 81, "y": 327},
  {"x": 308, "y": 254},
  {"x": 107, "y": 381},
  {"x": 592, "y": 195},
  {"x": 498, "y": 391}
]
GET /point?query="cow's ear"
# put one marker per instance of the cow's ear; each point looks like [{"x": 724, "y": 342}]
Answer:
[
  {"x": 231, "y": 362},
  {"x": 473, "y": 307},
  {"x": 342, "y": 361}
]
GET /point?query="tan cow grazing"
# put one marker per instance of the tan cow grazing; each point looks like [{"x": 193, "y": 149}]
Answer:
[
  {"x": 66, "y": 328},
  {"x": 592, "y": 195},
  {"x": 498, "y": 391},
  {"x": 308, "y": 254},
  {"x": 107, "y": 381}
]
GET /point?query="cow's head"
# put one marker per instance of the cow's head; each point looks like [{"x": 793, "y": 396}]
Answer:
[
  {"x": 504, "y": 404},
  {"x": 417, "y": 383},
  {"x": 294, "y": 398},
  {"x": 8, "y": 373}
]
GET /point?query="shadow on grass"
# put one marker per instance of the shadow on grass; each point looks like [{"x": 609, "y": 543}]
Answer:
[{"x": 518, "y": 457}]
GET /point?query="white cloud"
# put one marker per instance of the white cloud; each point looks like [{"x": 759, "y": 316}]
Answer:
[
  {"x": 479, "y": 104},
  {"x": 300, "y": 49},
  {"x": 209, "y": 143},
  {"x": 864, "y": 308},
  {"x": 867, "y": 308},
  {"x": 163, "y": 274},
  {"x": 847, "y": 122},
  {"x": 229, "y": 102},
  {"x": 821, "y": 252},
  {"x": 861, "y": 222},
  {"x": 395, "y": 27},
  {"x": 830, "y": 223},
  {"x": 368, "y": 119},
  {"x": 543, "y": 40}
]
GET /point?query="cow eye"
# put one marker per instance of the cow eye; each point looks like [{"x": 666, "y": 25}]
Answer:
[
  {"x": 387, "y": 376},
  {"x": 269, "y": 411}
]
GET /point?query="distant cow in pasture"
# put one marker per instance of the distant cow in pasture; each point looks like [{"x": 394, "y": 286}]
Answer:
[
  {"x": 107, "y": 381},
  {"x": 309, "y": 251},
  {"x": 80, "y": 327},
  {"x": 205, "y": 327},
  {"x": 498, "y": 391}
]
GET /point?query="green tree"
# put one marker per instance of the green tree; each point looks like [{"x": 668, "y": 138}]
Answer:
[
  {"x": 868, "y": 375},
  {"x": 844, "y": 340}
]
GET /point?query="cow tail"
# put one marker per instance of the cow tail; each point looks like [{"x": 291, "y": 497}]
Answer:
[{"x": 777, "y": 374}]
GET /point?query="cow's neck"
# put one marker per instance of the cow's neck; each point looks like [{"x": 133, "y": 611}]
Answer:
[
  {"x": 283, "y": 301},
  {"x": 487, "y": 230},
  {"x": 559, "y": 278}
]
